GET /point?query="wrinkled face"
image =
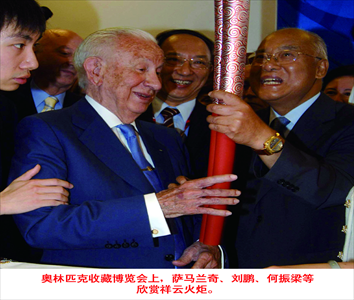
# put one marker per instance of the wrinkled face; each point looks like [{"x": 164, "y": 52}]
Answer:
[
  {"x": 17, "y": 58},
  {"x": 288, "y": 84},
  {"x": 131, "y": 78},
  {"x": 182, "y": 84},
  {"x": 339, "y": 88},
  {"x": 55, "y": 56}
]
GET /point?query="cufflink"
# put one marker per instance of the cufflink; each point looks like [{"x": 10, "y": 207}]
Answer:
[
  {"x": 347, "y": 203},
  {"x": 154, "y": 231}
]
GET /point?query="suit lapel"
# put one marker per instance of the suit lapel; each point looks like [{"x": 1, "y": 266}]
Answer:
[
  {"x": 312, "y": 125},
  {"x": 101, "y": 141},
  {"x": 158, "y": 153}
]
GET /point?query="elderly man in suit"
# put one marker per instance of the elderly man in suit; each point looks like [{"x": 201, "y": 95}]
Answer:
[
  {"x": 295, "y": 171},
  {"x": 188, "y": 65},
  {"x": 51, "y": 82},
  {"x": 124, "y": 212}
]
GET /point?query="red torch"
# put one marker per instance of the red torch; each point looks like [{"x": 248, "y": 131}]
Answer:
[{"x": 231, "y": 28}]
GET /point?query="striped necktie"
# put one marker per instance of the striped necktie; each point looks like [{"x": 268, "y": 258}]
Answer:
[
  {"x": 168, "y": 113},
  {"x": 50, "y": 103}
]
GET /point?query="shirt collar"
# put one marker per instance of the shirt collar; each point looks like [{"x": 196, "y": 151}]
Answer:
[
  {"x": 295, "y": 114},
  {"x": 110, "y": 118},
  {"x": 185, "y": 109},
  {"x": 39, "y": 95}
]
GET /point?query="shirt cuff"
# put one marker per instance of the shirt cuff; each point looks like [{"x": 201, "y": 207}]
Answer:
[
  {"x": 158, "y": 224},
  {"x": 222, "y": 257}
]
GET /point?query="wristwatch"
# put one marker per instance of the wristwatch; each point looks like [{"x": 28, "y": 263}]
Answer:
[{"x": 272, "y": 145}]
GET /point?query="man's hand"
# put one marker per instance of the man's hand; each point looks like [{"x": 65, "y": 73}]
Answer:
[
  {"x": 189, "y": 197},
  {"x": 24, "y": 195},
  {"x": 238, "y": 121},
  {"x": 206, "y": 257}
]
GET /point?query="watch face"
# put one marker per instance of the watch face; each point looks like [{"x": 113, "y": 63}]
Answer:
[{"x": 276, "y": 144}]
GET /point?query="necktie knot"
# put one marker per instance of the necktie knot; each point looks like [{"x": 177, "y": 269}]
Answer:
[
  {"x": 127, "y": 130},
  {"x": 168, "y": 113},
  {"x": 279, "y": 125},
  {"x": 50, "y": 103}
]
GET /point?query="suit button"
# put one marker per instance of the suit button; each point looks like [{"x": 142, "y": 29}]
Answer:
[
  {"x": 259, "y": 219},
  {"x": 125, "y": 244},
  {"x": 281, "y": 181},
  {"x": 169, "y": 257},
  {"x": 134, "y": 244},
  {"x": 116, "y": 245},
  {"x": 293, "y": 188},
  {"x": 108, "y": 245}
]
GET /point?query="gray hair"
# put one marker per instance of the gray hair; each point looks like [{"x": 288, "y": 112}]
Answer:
[
  {"x": 318, "y": 43},
  {"x": 100, "y": 44}
]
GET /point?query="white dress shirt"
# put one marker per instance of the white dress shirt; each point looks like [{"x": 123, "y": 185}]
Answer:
[
  {"x": 157, "y": 220},
  {"x": 351, "y": 97}
]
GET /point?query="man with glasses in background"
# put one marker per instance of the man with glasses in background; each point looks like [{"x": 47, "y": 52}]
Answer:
[
  {"x": 295, "y": 160},
  {"x": 188, "y": 64}
]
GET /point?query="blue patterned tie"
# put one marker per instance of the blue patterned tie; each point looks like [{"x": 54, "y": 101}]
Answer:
[
  {"x": 279, "y": 125},
  {"x": 149, "y": 172}
]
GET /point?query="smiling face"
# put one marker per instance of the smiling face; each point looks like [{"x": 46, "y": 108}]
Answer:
[
  {"x": 131, "y": 78},
  {"x": 55, "y": 52},
  {"x": 17, "y": 58},
  {"x": 182, "y": 84},
  {"x": 285, "y": 86},
  {"x": 339, "y": 89}
]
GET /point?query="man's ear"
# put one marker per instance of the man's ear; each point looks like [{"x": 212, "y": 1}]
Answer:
[
  {"x": 94, "y": 69},
  {"x": 322, "y": 68}
]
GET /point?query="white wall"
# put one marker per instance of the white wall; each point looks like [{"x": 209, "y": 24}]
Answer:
[{"x": 86, "y": 16}]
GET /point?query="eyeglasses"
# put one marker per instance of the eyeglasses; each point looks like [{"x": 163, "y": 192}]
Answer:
[
  {"x": 179, "y": 61},
  {"x": 281, "y": 57}
]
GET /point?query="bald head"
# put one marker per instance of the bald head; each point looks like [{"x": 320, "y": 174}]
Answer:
[
  {"x": 55, "y": 51},
  {"x": 312, "y": 39}
]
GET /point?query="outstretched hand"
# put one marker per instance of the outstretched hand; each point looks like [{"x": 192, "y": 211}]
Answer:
[
  {"x": 25, "y": 194},
  {"x": 189, "y": 196}
]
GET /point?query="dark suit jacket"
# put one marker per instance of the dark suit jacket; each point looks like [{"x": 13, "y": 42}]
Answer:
[
  {"x": 24, "y": 102},
  {"x": 8, "y": 121},
  {"x": 12, "y": 245},
  {"x": 198, "y": 139},
  {"x": 294, "y": 213},
  {"x": 106, "y": 223}
]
